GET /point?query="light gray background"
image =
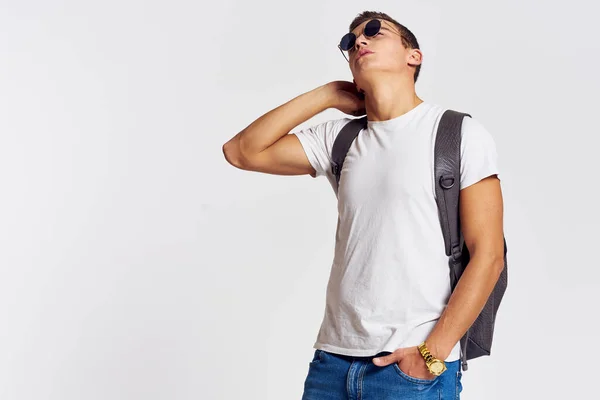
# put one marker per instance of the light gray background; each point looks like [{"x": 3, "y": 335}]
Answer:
[{"x": 135, "y": 263}]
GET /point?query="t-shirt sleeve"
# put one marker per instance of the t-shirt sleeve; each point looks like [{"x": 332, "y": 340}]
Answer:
[
  {"x": 479, "y": 158},
  {"x": 317, "y": 142}
]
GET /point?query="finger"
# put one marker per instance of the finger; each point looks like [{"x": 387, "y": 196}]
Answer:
[
  {"x": 384, "y": 360},
  {"x": 396, "y": 356}
]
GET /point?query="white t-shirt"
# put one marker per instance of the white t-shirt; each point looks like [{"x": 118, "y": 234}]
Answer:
[{"x": 389, "y": 281}]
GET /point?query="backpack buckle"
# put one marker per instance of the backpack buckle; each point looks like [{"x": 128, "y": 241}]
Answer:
[
  {"x": 456, "y": 253},
  {"x": 335, "y": 168}
]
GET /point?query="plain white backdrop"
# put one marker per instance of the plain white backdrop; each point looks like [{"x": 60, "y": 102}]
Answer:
[{"x": 135, "y": 263}]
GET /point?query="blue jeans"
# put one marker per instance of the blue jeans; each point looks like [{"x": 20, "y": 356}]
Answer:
[{"x": 338, "y": 377}]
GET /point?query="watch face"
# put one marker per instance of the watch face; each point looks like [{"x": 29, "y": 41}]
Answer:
[{"x": 437, "y": 368}]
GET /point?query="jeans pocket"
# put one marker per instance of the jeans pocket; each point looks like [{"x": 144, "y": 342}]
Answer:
[
  {"x": 317, "y": 356},
  {"x": 412, "y": 378}
]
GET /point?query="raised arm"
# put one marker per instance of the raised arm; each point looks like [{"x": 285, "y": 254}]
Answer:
[{"x": 266, "y": 145}]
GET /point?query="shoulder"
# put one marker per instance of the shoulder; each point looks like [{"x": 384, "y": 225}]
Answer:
[
  {"x": 329, "y": 127},
  {"x": 334, "y": 126},
  {"x": 324, "y": 132},
  {"x": 473, "y": 130},
  {"x": 471, "y": 127}
]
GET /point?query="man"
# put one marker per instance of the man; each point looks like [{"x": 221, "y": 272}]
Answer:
[{"x": 389, "y": 288}]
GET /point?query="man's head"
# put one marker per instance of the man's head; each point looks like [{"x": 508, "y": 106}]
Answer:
[{"x": 394, "y": 48}]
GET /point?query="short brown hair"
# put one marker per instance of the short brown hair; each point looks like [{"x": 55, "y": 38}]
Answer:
[{"x": 408, "y": 38}]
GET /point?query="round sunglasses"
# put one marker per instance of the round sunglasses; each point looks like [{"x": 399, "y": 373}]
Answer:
[{"x": 349, "y": 39}]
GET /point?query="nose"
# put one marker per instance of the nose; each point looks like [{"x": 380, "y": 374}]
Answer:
[{"x": 360, "y": 41}]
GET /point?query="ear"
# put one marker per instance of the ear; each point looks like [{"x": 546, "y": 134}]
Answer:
[{"x": 415, "y": 57}]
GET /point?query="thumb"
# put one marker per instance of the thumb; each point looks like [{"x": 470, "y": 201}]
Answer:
[{"x": 386, "y": 360}]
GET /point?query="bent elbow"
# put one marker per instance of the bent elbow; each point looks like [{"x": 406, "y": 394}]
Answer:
[{"x": 232, "y": 154}]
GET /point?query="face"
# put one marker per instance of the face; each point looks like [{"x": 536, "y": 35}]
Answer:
[{"x": 383, "y": 51}]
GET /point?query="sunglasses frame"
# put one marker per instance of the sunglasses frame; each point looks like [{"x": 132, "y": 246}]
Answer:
[{"x": 352, "y": 37}]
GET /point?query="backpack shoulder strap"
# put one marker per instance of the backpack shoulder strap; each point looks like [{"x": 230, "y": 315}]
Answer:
[
  {"x": 447, "y": 191},
  {"x": 447, "y": 178},
  {"x": 342, "y": 144}
]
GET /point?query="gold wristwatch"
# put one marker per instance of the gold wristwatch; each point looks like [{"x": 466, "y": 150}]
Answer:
[{"x": 434, "y": 365}]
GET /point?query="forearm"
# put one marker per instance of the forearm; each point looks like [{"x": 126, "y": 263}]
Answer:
[
  {"x": 465, "y": 304},
  {"x": 278, "y": 122}
]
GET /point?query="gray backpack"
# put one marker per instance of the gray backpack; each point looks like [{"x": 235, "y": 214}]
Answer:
[{"x": 477, "y": 341}]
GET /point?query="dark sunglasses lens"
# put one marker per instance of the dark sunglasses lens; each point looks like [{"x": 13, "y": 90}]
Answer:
[
  {"x": 372, "y": 27},
  {"x": 347, "y": 41}
]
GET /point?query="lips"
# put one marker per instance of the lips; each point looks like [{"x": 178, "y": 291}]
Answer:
[{"x": 363, "y": 52}]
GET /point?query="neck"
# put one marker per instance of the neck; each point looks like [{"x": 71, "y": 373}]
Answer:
[{"x": 389, "y": 98}]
